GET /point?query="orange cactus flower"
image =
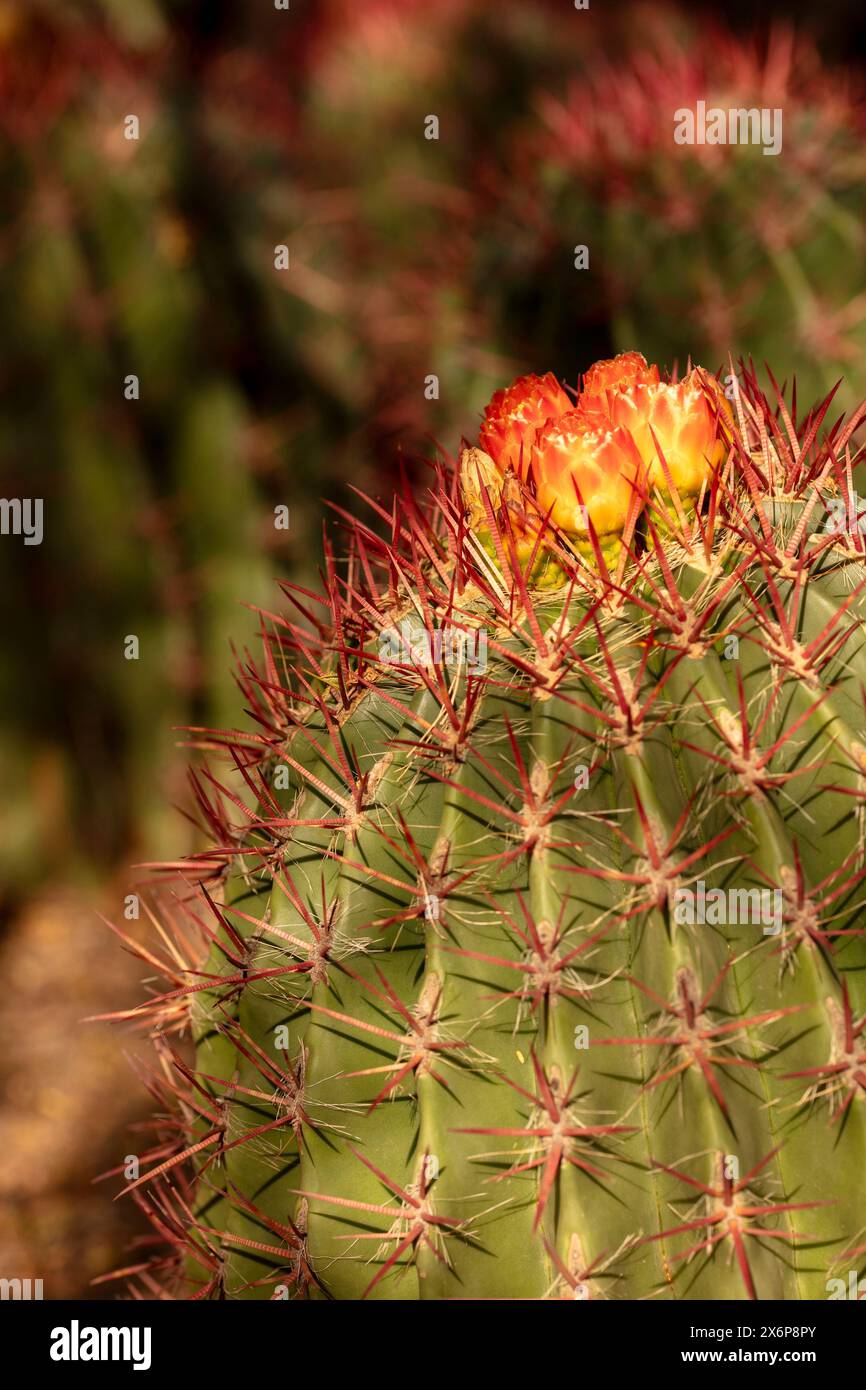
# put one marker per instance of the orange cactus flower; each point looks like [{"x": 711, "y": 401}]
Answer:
[
  {"x": 620, "y": 374},
  {"x": 583, "y": 473},
  {"x": 513, "y": 416},
  {"x": 682, "y": 420},
  {"x": 594, "y": 462},
  {"x": 614, "y": 383}
]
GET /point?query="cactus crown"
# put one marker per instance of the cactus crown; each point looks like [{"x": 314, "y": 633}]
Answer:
[{"x": 528, "y": 960}]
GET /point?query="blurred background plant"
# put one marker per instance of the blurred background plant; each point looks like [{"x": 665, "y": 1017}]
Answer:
[
  {"x": 708, "y": 249},
  {"x": 167, "y": 387}
]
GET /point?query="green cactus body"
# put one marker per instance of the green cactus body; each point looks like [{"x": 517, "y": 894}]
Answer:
[{"x": 543, "y": 976}]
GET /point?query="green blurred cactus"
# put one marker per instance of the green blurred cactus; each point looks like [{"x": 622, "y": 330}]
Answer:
[{"x": 699, "y": 247}]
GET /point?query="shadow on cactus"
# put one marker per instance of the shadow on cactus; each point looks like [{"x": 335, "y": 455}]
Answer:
[{"x": 530, "y": 964}]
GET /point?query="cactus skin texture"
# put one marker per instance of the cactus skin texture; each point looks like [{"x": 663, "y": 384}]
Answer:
[{"x": 455, "y": 1036}]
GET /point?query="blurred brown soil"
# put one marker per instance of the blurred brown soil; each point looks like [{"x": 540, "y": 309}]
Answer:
[{"x": 67, "y": 1093}]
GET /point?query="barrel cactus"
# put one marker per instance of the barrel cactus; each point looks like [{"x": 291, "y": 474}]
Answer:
[{"x": 529, "y": 962}]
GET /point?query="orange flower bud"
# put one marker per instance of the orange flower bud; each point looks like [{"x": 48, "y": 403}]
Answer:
[
  {"x": 513, "y": 416},
  {"x": 681, "y": 420},
  {"x": 620, "y": 373},
  {"x": 584, "y": 473}
]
